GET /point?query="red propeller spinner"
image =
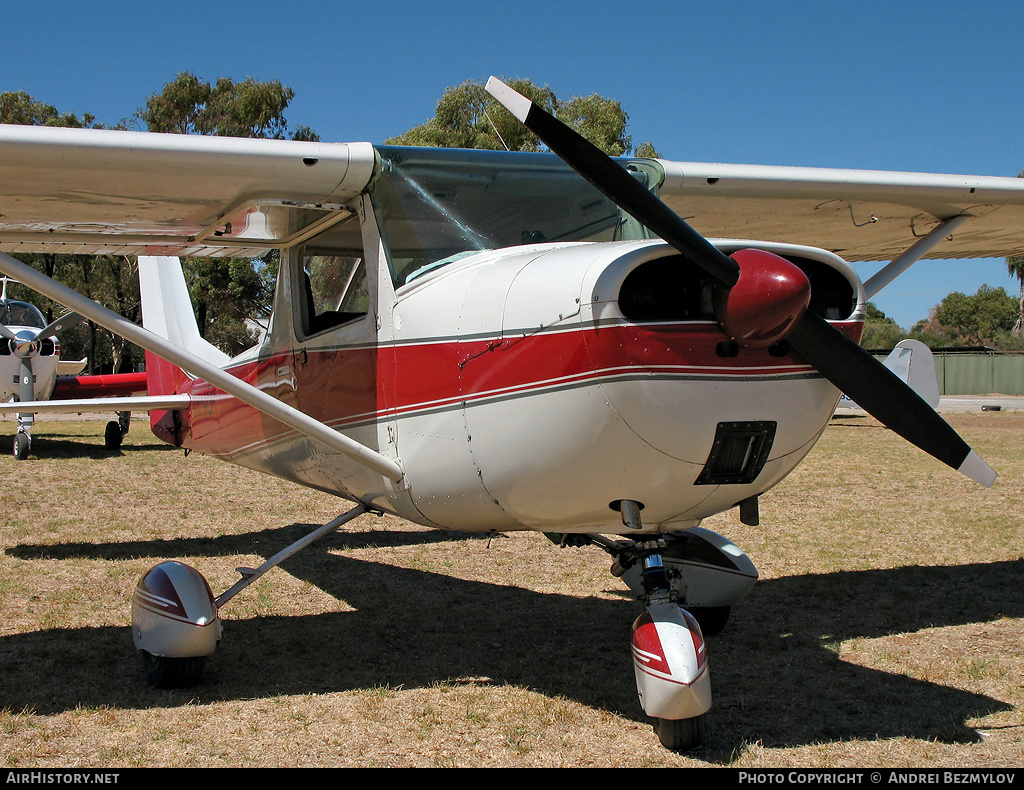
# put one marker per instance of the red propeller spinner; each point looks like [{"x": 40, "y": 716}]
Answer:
[{"x": 769, "y": 298}]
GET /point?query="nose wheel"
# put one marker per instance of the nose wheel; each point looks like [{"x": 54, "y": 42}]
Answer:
[
  {"x": 23, "y": 438},
  {"x": 680, "y": 735},
  {"x": 22, "y": 444}
]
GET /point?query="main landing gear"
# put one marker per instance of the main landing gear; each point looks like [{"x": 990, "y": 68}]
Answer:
[
  {"x": 116, "y": 430},
  {"x": 688, "y": 583},
  {"x": 22, "y": 444},
  {"x": 113, "y": 435},
  {"x": 176, "y": 619},
  {"x": 23, "y": 438}
]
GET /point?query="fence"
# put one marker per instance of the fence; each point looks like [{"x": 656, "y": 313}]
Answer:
[{"x": 979, "y": 372}]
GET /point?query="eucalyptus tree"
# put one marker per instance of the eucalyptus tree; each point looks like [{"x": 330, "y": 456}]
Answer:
[{"x": 466, "y": 116}]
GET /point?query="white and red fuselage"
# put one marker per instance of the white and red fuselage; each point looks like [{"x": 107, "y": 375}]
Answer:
[{"x": 516, "y": 394}]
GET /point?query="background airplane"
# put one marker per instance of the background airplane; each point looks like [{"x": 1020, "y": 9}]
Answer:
[
  {"x": 31, "y": 370},
  {"x": 484, "y": 341}
]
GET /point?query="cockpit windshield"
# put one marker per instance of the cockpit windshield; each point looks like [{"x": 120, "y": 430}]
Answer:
[
  {"x": 435, "y": 206},
  {"x": 14, "y": 313}
]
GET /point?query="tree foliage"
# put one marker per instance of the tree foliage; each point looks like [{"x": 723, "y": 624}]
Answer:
[
  {"x": 188, "y": 105},
  {"x": 880, "y": 331},
  {"x": 230, "y": 296},
  {"x": 467, "y": 116},
  {"x": 985, "y": 318},
  {"x": 19, "y": 108}
]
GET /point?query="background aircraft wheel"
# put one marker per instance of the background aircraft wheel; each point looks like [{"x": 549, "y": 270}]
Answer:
[
  {"x": 164, "y": 672},
  {"x": 112, "y": 436},
  {"x": 711, "y": 619},
  {"x": 21, "y": 445},
  {"x": 680, "y": 734}
]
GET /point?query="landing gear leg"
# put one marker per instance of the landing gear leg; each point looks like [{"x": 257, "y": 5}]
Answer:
[{"x": 176, "y": 619}]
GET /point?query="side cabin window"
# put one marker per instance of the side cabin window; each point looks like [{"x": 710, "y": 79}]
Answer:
[
  {"x": 333, "y": 291},
  {"x": 331, "y": 285}
]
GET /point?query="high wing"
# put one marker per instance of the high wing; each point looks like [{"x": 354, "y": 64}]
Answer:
[
  {"x": 861, "y": 215},
  {"x": 100, "y": 405},
  {"x": 101, "y": 191}
]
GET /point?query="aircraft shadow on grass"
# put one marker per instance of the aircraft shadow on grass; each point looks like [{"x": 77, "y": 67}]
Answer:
[{"x": 775, "y": 679}]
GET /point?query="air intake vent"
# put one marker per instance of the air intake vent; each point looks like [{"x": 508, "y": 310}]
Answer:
[
  {"x": 666, "y": 289},
  {"x": 738, "y": 454}
]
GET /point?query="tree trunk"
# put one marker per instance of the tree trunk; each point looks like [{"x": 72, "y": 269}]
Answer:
[{"x": 1018, "y": 328}]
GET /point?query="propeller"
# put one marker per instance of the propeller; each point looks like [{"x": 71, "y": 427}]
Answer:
[
  {"x": 760, "y": 298},
  {"x": 25, "y": 345}
]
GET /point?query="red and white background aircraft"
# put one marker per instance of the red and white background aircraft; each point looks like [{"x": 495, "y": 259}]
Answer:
[
  {"x": 31, "y": 370},
  {"x": 483, "y": 341}
]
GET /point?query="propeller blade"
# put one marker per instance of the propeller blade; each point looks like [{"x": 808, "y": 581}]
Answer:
[
  {"x": 7, "y": 334},
  {"x": 878, "y": 391},
  {"x": 65, "y": 322},
  {"x": 616, "y": 184}
]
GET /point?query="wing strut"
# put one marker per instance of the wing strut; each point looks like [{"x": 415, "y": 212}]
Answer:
[
  {"x": 249, "y": 575},
  {"x": 176, "y": 355},
  {"x": 919, "y": 249}
]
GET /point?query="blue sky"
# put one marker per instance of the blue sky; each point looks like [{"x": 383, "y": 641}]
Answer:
[{"x": 929, "y": 87}]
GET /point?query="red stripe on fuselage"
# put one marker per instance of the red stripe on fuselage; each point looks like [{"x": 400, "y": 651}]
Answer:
[{"x": 354, "y": 385}]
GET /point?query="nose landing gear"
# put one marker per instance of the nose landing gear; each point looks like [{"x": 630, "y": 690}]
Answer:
[{"x": 688, "y": 581}]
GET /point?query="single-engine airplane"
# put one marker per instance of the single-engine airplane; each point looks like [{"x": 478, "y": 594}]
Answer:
[
  {"x": 31, "y": 369},
  {"x": 486, "y": 341}
]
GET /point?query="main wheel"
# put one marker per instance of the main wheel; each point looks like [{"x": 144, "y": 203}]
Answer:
[
  {"x": 21, "y": 444},
  {"x": 680, "y": 735},
  {"x": 164, "y": 672},
  {"x": 112, "y": 436}
]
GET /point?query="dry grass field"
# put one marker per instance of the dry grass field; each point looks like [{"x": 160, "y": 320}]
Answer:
[{"x": 887, "y": 628}]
